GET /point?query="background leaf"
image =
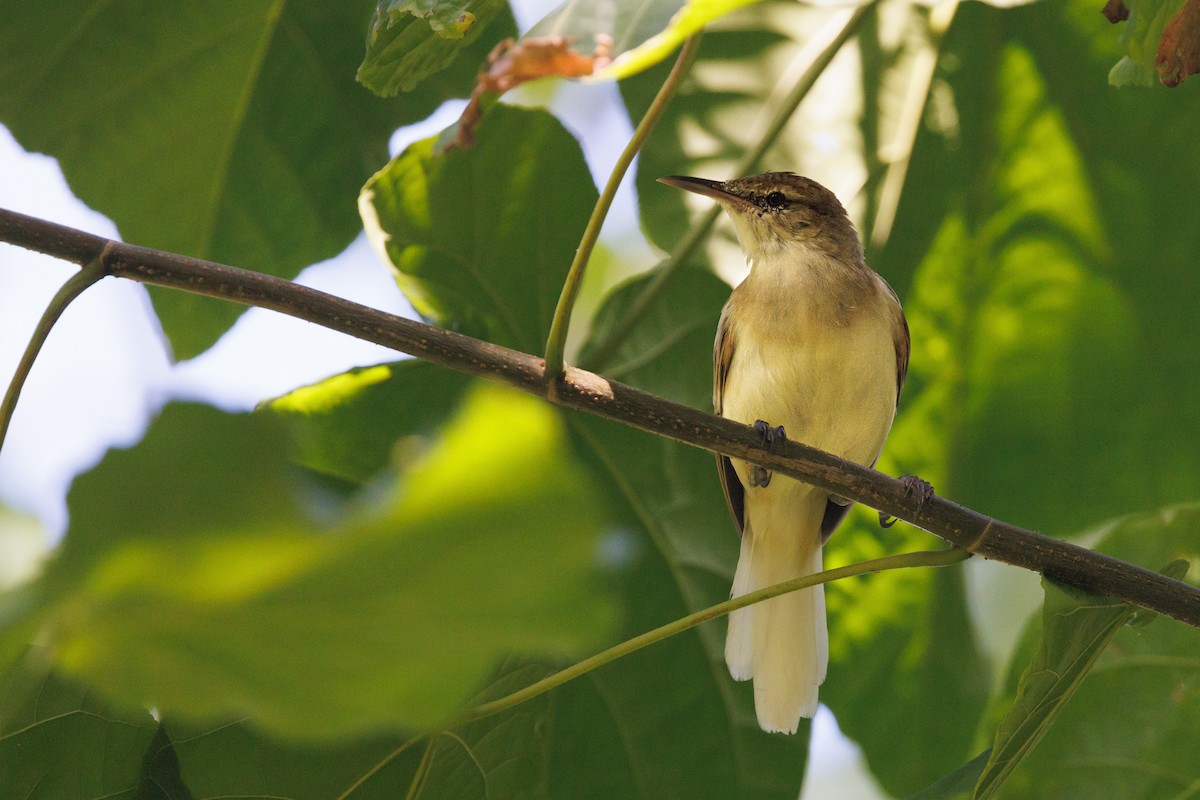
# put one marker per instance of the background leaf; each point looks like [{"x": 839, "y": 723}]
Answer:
[
  {"x": 481, "y": 239},
  {"x": 208, "y": 130},
  {"x": 683, "y": 329}
]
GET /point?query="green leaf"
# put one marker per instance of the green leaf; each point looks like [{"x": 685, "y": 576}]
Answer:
[
  {"x": 481, "y": 239},
  {"x": 228, "y": 131},
  {"x": 351, "y": 426},
  {"x": 506, "y": 756},
  {"x": 642, "y": 32},
  {"x": 161, "y": 779},
  {"x": 1076, "y": 628},
  {"x": 219, "y": 599},
  {"x": 683, "y": 325},
  {"x": 683, "y": 547},
  {"x": 410, "y": 40},
  {"x": 58, "y": 739},
  {"x": 239, "y": 760},
  {"x": 1127, "y": 726}
]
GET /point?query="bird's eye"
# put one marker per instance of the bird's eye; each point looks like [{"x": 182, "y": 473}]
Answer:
[{"x": 776, "y": 200}]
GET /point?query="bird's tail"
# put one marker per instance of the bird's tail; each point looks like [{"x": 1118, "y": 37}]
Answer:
[{"x": 781, "y": 643}]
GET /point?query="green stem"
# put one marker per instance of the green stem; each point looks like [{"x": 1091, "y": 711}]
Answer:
[
  {"x": 373, "y": 771},
  {"x": 75, "y": 286},
  {"x": 922, "y": 558},
  {"x": 823, "y": 47},
  {"x": 557, "y": 342}
]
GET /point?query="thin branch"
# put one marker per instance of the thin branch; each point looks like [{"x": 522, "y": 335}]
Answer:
[
  {"x": 557, "y": 342},
  {"x": 818, "y": 51},
  {"x": 75, "y": 286},
  {"x": 1063, "y": 562},
  {"x": 922, "y": 558}
]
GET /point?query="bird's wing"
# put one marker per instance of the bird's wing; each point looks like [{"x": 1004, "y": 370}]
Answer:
[
  {"x": 835, "y": 512},
  {"x": 900, "y": 337},
  {"x": 735, "y": 493}
]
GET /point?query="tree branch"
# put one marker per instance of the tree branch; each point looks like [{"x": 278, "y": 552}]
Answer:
[{"x": 1060, "y": 561}]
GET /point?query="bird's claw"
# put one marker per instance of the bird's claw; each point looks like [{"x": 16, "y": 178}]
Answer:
[
  {"x": 921, "y": 488},
  {"x": 769, "y": 434},
  {"x": 760, "y": 477},
  {"x": 912, "y": 486}
]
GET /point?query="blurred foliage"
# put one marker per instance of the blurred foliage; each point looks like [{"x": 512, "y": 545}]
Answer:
[{"x": 302, "y": 590}]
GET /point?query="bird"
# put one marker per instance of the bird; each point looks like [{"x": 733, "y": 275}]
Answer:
[{"x": 813, "y": 346}]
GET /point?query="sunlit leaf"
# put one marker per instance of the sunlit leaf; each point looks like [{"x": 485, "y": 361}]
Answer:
[
  {"x": 353, "y": 425},
  {"x": 409, "y": 40},
  {"x": 481, "y": 239}
]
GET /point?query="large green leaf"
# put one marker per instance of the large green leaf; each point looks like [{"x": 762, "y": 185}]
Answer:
[
  {"x": 683, "y": 549},
  {"x": 481, "y": 239},
  {"x": 228, "y": 131},
  {"x": 1054, "y": 300},
  {"x": 58, "y": 739},
  {"x": 239, "y": 760},
  {"x": 219, "y": 599},
  {"x": 410, "y": 40}
]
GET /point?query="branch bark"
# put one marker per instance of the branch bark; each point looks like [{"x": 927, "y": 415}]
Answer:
[{"x": 575, "y": 388}]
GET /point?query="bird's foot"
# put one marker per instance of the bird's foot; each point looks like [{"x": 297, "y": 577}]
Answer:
[
  {"x": 760, "y": 477},
  {"x": 770, "y": 435},
  {"x": 912, "y": 486}
]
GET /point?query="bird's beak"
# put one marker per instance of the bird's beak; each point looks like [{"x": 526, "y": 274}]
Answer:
[{"x": 715, "y": 189}]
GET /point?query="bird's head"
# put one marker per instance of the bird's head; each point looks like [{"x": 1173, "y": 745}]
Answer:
[{"x": 777, "y": 210}]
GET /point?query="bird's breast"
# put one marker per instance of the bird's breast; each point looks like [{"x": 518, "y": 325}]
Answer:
[{"x": 830, "y": 383}]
